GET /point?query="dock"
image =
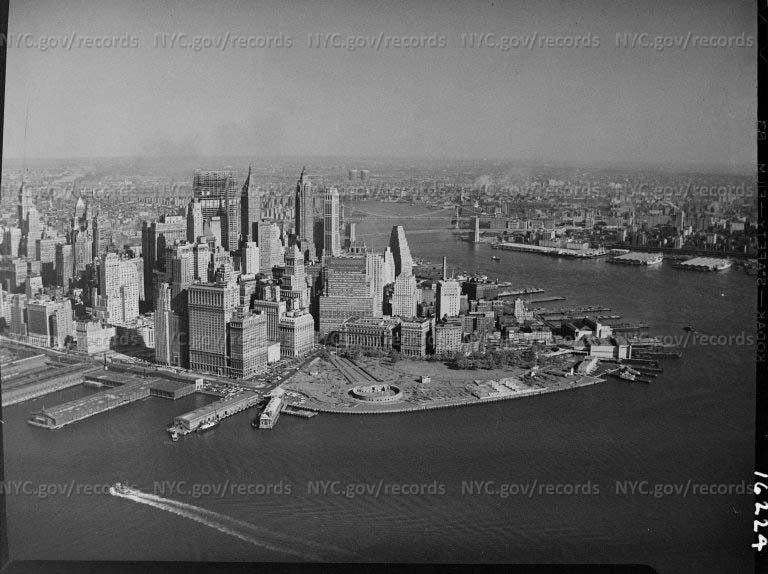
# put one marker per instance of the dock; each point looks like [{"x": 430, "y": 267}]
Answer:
[
  {"x": 705, "y": 264},
  {"x": 268, "y": 418},
  {"x": 216, "y": 411},
  {"x": 637, "y": 258},
  {"x": 298, "y": 412},
  {"x": 555, "y": 251},
  {"x": 121, "y": 390}
]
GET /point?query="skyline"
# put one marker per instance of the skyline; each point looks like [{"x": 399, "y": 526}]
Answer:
[{"x": 630, "y": 105}]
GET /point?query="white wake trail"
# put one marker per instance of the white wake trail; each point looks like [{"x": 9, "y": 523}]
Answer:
[{"x": 239, "y": 529}]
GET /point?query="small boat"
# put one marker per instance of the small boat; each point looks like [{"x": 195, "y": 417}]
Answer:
[
  {"x": 495, "y": 258},
  {"x": 174, "y": 436},
  {"x": 688, "y": 328},
  {"x": 208, "y": 425},
  {"x": 120, "y": 488}
]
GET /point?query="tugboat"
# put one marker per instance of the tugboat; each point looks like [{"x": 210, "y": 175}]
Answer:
[{"x": 208, "y": 425}]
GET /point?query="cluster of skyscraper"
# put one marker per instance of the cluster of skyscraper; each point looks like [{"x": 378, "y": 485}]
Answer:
[{"x": 231, "y": 291}]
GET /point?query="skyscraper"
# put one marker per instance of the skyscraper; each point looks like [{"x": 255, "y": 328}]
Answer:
[
  {"x": 375, "y": 269},
  {"x": 155, "y": 237},
  {"x": 297, "y": 333},
  {"x": 448, "y": 298},
  {"x": 64, "y": 265},
  {"x": 250, "y": 208},
  {"x": 305, "y": 216},
  {"x": 294, "y": 289},
  {"x": 249, "y": 254},
  {"x": 270, "y": 246},
  {"x": 389, "y": 267},
  {"x": 164, "y": 333},
  {"x": 331, "y": 234},
  {"x": 216, "y": 192},
  {"x": 347, "y": 291},
  {"x": 400, "y": 251},
  {"x": 119, "y": 288},
  {"x": 404, "y": 297},
  {"x": 194, "y": 220},
  {"x": 247, "y": 335},
  {"x": 210, "y": 309}
]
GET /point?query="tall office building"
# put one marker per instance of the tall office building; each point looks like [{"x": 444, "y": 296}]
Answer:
[
  {"x": 297, "y": 333},
  {"x": 12, "y": 242},
  {"x": 374, "y": 265},
  {"x": 448, "y": 298},
  {"x": 164, "y": 333},
  {"x": 194, "y": 220},
  {"x": 250, "y": 208},
  {"x": 64, "y": 265},
  {"x": 45, "y": 253},
  {"x": 294, "y": 289},
  {"x": 415, "y": 335},
  {"x": 347, "y": 291},
  {"x": 210, "y": 307},
  {"x": 155, "y": 237},
  {"x": 274, "y": 310},
  {"x": 404, "y": 296},
  {"x": 31, "y": 231},
  {"x": 270, "y": 246},
  {"x": 247, "y": 342},
  {"x": 50, "y": 323},
  {"x": 389, "y": 267},
  {"x": 305, "y": 216},
  {"x": 331, "y": 234},
  {"x": 119, "y": 288},
  {"x": 215, "y": 189},
  {"x": 82, "y": 248},
  {"x": 249, "y": 255},
  {"x": 400, "y": 251},
  {"x": 201, "y": 255}
]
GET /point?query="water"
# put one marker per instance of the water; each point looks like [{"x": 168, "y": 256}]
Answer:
[{"x": 695, "y": 422}]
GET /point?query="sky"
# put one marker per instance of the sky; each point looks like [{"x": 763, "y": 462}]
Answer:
[{"x": 605, "y": 103}]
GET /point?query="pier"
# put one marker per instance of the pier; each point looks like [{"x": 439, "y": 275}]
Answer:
[
  {"x": 636, "y": 258},
  {"x": 122, "y": 390},
  {"x": 705, "y": 264},
  {"x": 216, "y": 411}
]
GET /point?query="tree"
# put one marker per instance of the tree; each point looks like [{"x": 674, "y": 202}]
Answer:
[{"x": 394, "y": 356}]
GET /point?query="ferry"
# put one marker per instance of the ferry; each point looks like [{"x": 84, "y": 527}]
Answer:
[{"x": 208, "y": 425}]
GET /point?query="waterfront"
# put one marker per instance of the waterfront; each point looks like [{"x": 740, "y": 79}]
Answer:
[{"x": 694, "y": 422}]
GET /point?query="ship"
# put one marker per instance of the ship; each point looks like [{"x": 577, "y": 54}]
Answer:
[
  {"x": 208, "y": 425},
  {"x": 120, "y": 488}
]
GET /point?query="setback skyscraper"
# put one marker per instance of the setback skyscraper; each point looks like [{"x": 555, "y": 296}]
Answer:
[
  {"x": 305, "y": 217},
  {"x": 331, "y": 233}
]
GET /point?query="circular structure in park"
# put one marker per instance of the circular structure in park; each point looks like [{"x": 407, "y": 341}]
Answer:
[{"x": 381, "y": 393}]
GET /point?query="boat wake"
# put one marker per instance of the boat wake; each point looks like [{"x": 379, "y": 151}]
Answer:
[{"x": 240, "y": 529}]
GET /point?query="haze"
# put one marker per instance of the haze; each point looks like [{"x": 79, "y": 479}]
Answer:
[{"x": 554, "y": 104}]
